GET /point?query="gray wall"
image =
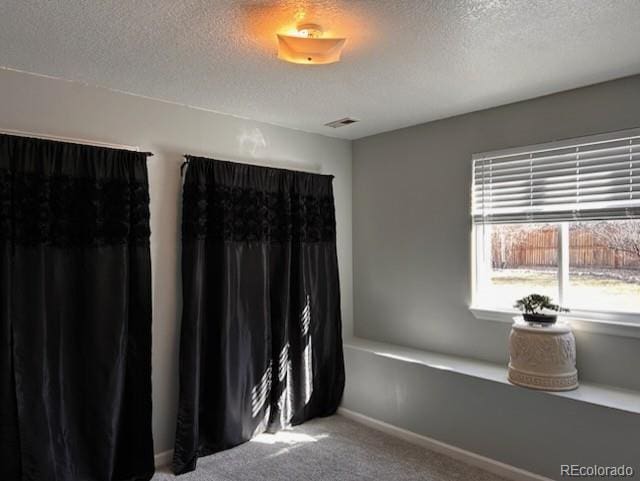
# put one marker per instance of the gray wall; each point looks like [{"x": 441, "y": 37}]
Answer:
[
  {"x": 411, "y": 203},
  {"x": 412, "y": 226},
  {"x": 532, "y": 430},
  {"x": 45, "y": 105}
]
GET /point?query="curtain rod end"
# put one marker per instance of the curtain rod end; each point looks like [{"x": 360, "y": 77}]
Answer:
[{"x": 184, "y": 164}]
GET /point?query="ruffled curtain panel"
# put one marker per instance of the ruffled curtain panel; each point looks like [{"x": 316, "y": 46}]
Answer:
[
  {"x": 261, "y": 343},
  {"x": 75, "y": 313}
]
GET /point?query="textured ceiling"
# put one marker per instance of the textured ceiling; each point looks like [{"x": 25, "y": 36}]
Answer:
[{"x": 406, "y": 61}]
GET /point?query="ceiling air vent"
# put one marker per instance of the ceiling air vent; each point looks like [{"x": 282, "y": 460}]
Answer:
[{"x": 341, "y": 122}]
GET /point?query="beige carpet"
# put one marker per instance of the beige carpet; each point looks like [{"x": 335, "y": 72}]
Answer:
[{"x": 329, "y": 449}]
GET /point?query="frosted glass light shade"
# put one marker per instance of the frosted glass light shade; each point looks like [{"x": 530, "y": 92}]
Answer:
[{"x": 309, "y": 50}]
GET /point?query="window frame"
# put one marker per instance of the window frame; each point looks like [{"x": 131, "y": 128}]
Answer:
[{"x": 621, "y": 323}]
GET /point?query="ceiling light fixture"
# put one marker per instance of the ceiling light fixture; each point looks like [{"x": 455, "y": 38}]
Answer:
[{"x": 309, "y": 46}]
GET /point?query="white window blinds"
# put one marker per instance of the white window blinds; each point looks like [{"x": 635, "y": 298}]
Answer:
[{"x": 581, "y": 179}]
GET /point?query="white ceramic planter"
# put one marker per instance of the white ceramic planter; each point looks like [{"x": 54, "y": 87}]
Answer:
[{"x": 542, "y": 357}]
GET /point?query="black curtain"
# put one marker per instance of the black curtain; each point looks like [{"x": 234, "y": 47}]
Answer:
[
  {"x": 261, "y": 344},
  {"x": 75, "y": 313}
]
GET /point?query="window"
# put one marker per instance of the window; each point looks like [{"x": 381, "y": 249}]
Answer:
[
  {"x": 561, "y": 219},
  {"x": 604, "y": 265}
]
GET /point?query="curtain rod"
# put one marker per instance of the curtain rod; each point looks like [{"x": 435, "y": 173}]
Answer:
[
  {"x": 313, "y": 169},
  {"x": 94, "y": 143}
]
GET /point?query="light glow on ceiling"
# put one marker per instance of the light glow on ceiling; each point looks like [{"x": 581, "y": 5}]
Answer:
[{"x": 263, "y": 22}]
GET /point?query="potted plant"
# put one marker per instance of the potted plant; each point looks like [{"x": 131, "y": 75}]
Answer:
[{"x": 533, "y": 309}]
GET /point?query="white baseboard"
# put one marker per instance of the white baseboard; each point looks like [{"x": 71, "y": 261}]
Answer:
[
  {"x": 163, "y": 459},
  {"x": 488, "y": 464}
]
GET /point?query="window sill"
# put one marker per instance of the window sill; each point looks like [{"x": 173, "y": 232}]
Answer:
[
  {"x": 614, "y": 324},
  {"x": 600, "y": 395}
]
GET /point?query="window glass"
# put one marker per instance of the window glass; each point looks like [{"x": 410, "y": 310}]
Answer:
[
  {"x": 604, "y": 265},
  {"x": 516, "y": 260}
]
